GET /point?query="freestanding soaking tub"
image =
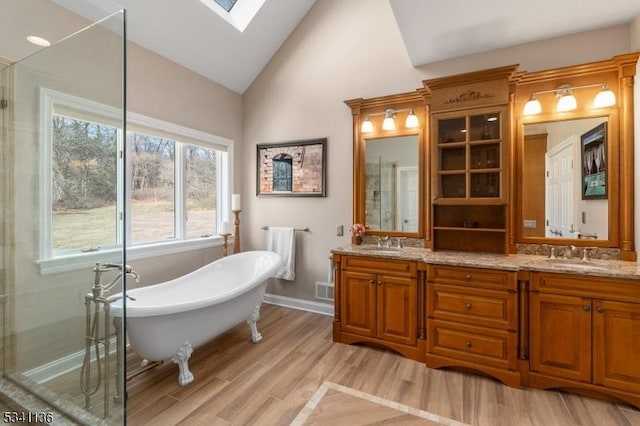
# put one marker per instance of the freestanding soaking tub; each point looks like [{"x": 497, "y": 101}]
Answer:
[{"x": 170, "y": 319}]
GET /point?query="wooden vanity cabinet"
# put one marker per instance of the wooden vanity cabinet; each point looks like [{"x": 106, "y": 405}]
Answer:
[
  {"x": 378, "y": 303},
  {"x": 472, "y": 320},
  {"x": 585, "y": 334}
]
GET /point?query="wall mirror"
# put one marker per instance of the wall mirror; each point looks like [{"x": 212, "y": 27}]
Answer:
[
  {"x": 389, "y": 189},
  {"x": 564, "y": 181},
  {"x": 574, "y": 164},
  {"x": 391, "y": 183}
]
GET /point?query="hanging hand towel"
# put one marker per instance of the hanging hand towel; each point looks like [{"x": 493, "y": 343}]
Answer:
[{"x": 283, "y": 242}]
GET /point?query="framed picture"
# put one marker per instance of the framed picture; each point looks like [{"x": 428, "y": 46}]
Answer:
[
  {"x": 593, "y": 146},
  {"x": 292, "y": 169}
]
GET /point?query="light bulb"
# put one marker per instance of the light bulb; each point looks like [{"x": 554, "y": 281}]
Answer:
[
  {"x": 389, "y": 123},
  {"x": 604, "y": 98},
  {"x": 567, "y": 102},
  {"x": 367, "y": 126},
  {"x": 532, "y": 106},
  {"x": 412, "y": 121}
]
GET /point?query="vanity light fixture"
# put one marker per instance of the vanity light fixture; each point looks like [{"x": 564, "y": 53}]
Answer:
[
  {"x": 566, "y": 100},
  {"x": 389, "y": 122}
]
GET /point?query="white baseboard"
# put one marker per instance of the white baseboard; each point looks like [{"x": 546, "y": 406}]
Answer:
[
  {"x": 300, "y": 304},
  {"x": 64, "y": 365}
]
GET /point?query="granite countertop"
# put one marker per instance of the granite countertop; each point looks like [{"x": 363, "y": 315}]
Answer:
[{"x": 512, "y": 262}]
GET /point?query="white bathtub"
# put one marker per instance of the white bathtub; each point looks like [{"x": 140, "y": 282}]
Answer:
[{"x": 168, "y": 320}]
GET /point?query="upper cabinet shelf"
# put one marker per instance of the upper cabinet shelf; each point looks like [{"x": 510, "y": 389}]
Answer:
[
  {"x": 470, "y": 142},
  {"x": 468, "y": 155}
]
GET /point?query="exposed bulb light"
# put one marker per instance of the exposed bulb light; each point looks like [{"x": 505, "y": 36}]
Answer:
[
  {"x": 412, "y": 121},
  {"x": 367, "y": 125},
  {"x": 389, "y": 123},
  {"x": 604, "y": 98},
  {"x": 566, "y": 102},
  {"x": 532, "y": 107},
  {"x": 38, "y": 41}
]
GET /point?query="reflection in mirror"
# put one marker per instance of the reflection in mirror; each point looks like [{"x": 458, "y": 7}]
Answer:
[
  {"x": 392, "y": 183},
  {"x": 564, "y": 164}
]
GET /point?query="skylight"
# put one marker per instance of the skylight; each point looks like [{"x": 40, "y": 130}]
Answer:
[
  {"x": 238, "y": 13},
  {"x": 226, "y": 4}
]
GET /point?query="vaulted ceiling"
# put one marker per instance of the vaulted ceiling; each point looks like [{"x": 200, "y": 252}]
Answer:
[{"x": 189, "y": 33}]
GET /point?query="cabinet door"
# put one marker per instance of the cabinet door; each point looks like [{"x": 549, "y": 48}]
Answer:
[
  {"x": 358, "y": 303},
  {"x": 616, "y": 345},
  {"x": 397, "y": 309},
  {"x": 561, "y": 336}
]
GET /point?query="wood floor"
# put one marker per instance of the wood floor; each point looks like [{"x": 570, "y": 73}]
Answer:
[{"x": 269, "y": 383}]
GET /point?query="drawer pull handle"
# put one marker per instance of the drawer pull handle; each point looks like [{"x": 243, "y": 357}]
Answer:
[
  {"x": 379, "y": 282},
  {"x": 468, "y": 306},
  {"x": 469, "y": 276},
  {"x": 468, "y": 344},
  {"x": 372, "y": 282},
  {"x": 600, "y": 310},
  {"x": 587, "y": 308}
]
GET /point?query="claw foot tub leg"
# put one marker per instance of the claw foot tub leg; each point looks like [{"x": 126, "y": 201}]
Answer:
[
  {"x": 182, "y": 359},
  {"x": 253, "y": 318}
]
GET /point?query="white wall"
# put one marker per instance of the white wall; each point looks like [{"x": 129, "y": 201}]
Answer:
[{"x": 344, "y": 50}]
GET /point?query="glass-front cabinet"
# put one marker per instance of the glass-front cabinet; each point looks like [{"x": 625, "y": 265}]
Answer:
[{"x": 469, "y": 152}]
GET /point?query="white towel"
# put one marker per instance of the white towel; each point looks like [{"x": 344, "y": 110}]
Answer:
[{"x": 283, "y": 242}]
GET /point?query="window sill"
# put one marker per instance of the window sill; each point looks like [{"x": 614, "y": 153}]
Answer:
[{"x": 77, "y": 261}]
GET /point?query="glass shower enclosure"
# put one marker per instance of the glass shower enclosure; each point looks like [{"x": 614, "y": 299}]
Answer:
[{"x": 62, "y": 180}]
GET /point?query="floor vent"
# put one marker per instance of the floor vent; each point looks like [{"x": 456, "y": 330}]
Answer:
[{"x": 324, "y": 291}]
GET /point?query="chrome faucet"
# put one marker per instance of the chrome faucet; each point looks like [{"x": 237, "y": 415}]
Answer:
[{"x": 571, "y": 250}]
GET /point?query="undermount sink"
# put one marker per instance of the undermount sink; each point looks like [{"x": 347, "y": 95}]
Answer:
[
  {"x": 579, "y": 266},
  {"x": 387, "y": 250}
]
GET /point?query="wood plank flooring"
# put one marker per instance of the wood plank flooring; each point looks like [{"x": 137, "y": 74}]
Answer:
[{"x": 240, "y": 383}]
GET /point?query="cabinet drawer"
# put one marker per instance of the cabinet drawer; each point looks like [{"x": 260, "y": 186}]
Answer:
[
  {"x": 379, "y": 266},
  {"x": 495, "y": 348},
  {"x": 486, "y": 278},
  {"x": 586, "y": 286},
  {"x": 475, "y": 306}
]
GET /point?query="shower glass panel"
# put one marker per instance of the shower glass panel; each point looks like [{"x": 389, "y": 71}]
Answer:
[
  {"x": 62, "y": 218},
  {"x": 381, "y": 194}
]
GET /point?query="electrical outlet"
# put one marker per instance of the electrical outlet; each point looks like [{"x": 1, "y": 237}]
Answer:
[
  {"x": 340, "y": 230},
  {"x": 530, "y": 224}
]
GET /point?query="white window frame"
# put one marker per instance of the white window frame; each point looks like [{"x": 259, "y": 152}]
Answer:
[{"x": 76, "y": 259}]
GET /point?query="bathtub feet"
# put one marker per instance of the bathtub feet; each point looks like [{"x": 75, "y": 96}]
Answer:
[
  {"x": 182, "y": 359},
  {"x": 253, "y": 319}
]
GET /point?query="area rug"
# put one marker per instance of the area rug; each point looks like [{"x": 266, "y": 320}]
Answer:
[{"x": 336, "y": 405}]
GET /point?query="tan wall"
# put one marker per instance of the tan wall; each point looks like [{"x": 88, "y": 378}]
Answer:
[{"x": 345, "y": 50}]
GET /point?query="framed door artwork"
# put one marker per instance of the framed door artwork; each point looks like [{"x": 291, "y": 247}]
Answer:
[
  {"x": 292, "y": 169},
  {"x": 593, "y": 147}
]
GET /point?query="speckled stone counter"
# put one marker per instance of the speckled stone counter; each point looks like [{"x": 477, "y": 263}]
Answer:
[{"x": 515, "y": 262}]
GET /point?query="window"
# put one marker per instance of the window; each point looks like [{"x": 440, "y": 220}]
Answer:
[
  {"x": 83, "y": 184},
  {"x": 178, "y": 182},
  {"x": 226, "y": 4}
]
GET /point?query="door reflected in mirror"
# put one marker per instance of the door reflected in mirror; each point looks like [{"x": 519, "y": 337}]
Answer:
[
  {"x": 564, "y": 164},
  {"x": 392, "y": 183}
]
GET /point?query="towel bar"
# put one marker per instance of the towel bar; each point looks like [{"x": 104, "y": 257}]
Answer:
[{"x": 295, "y": 229}]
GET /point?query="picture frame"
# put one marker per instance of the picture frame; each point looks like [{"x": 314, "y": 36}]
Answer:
[
  {"x": 593, "y": 149},
  {"x": 292, "y": 169}
]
